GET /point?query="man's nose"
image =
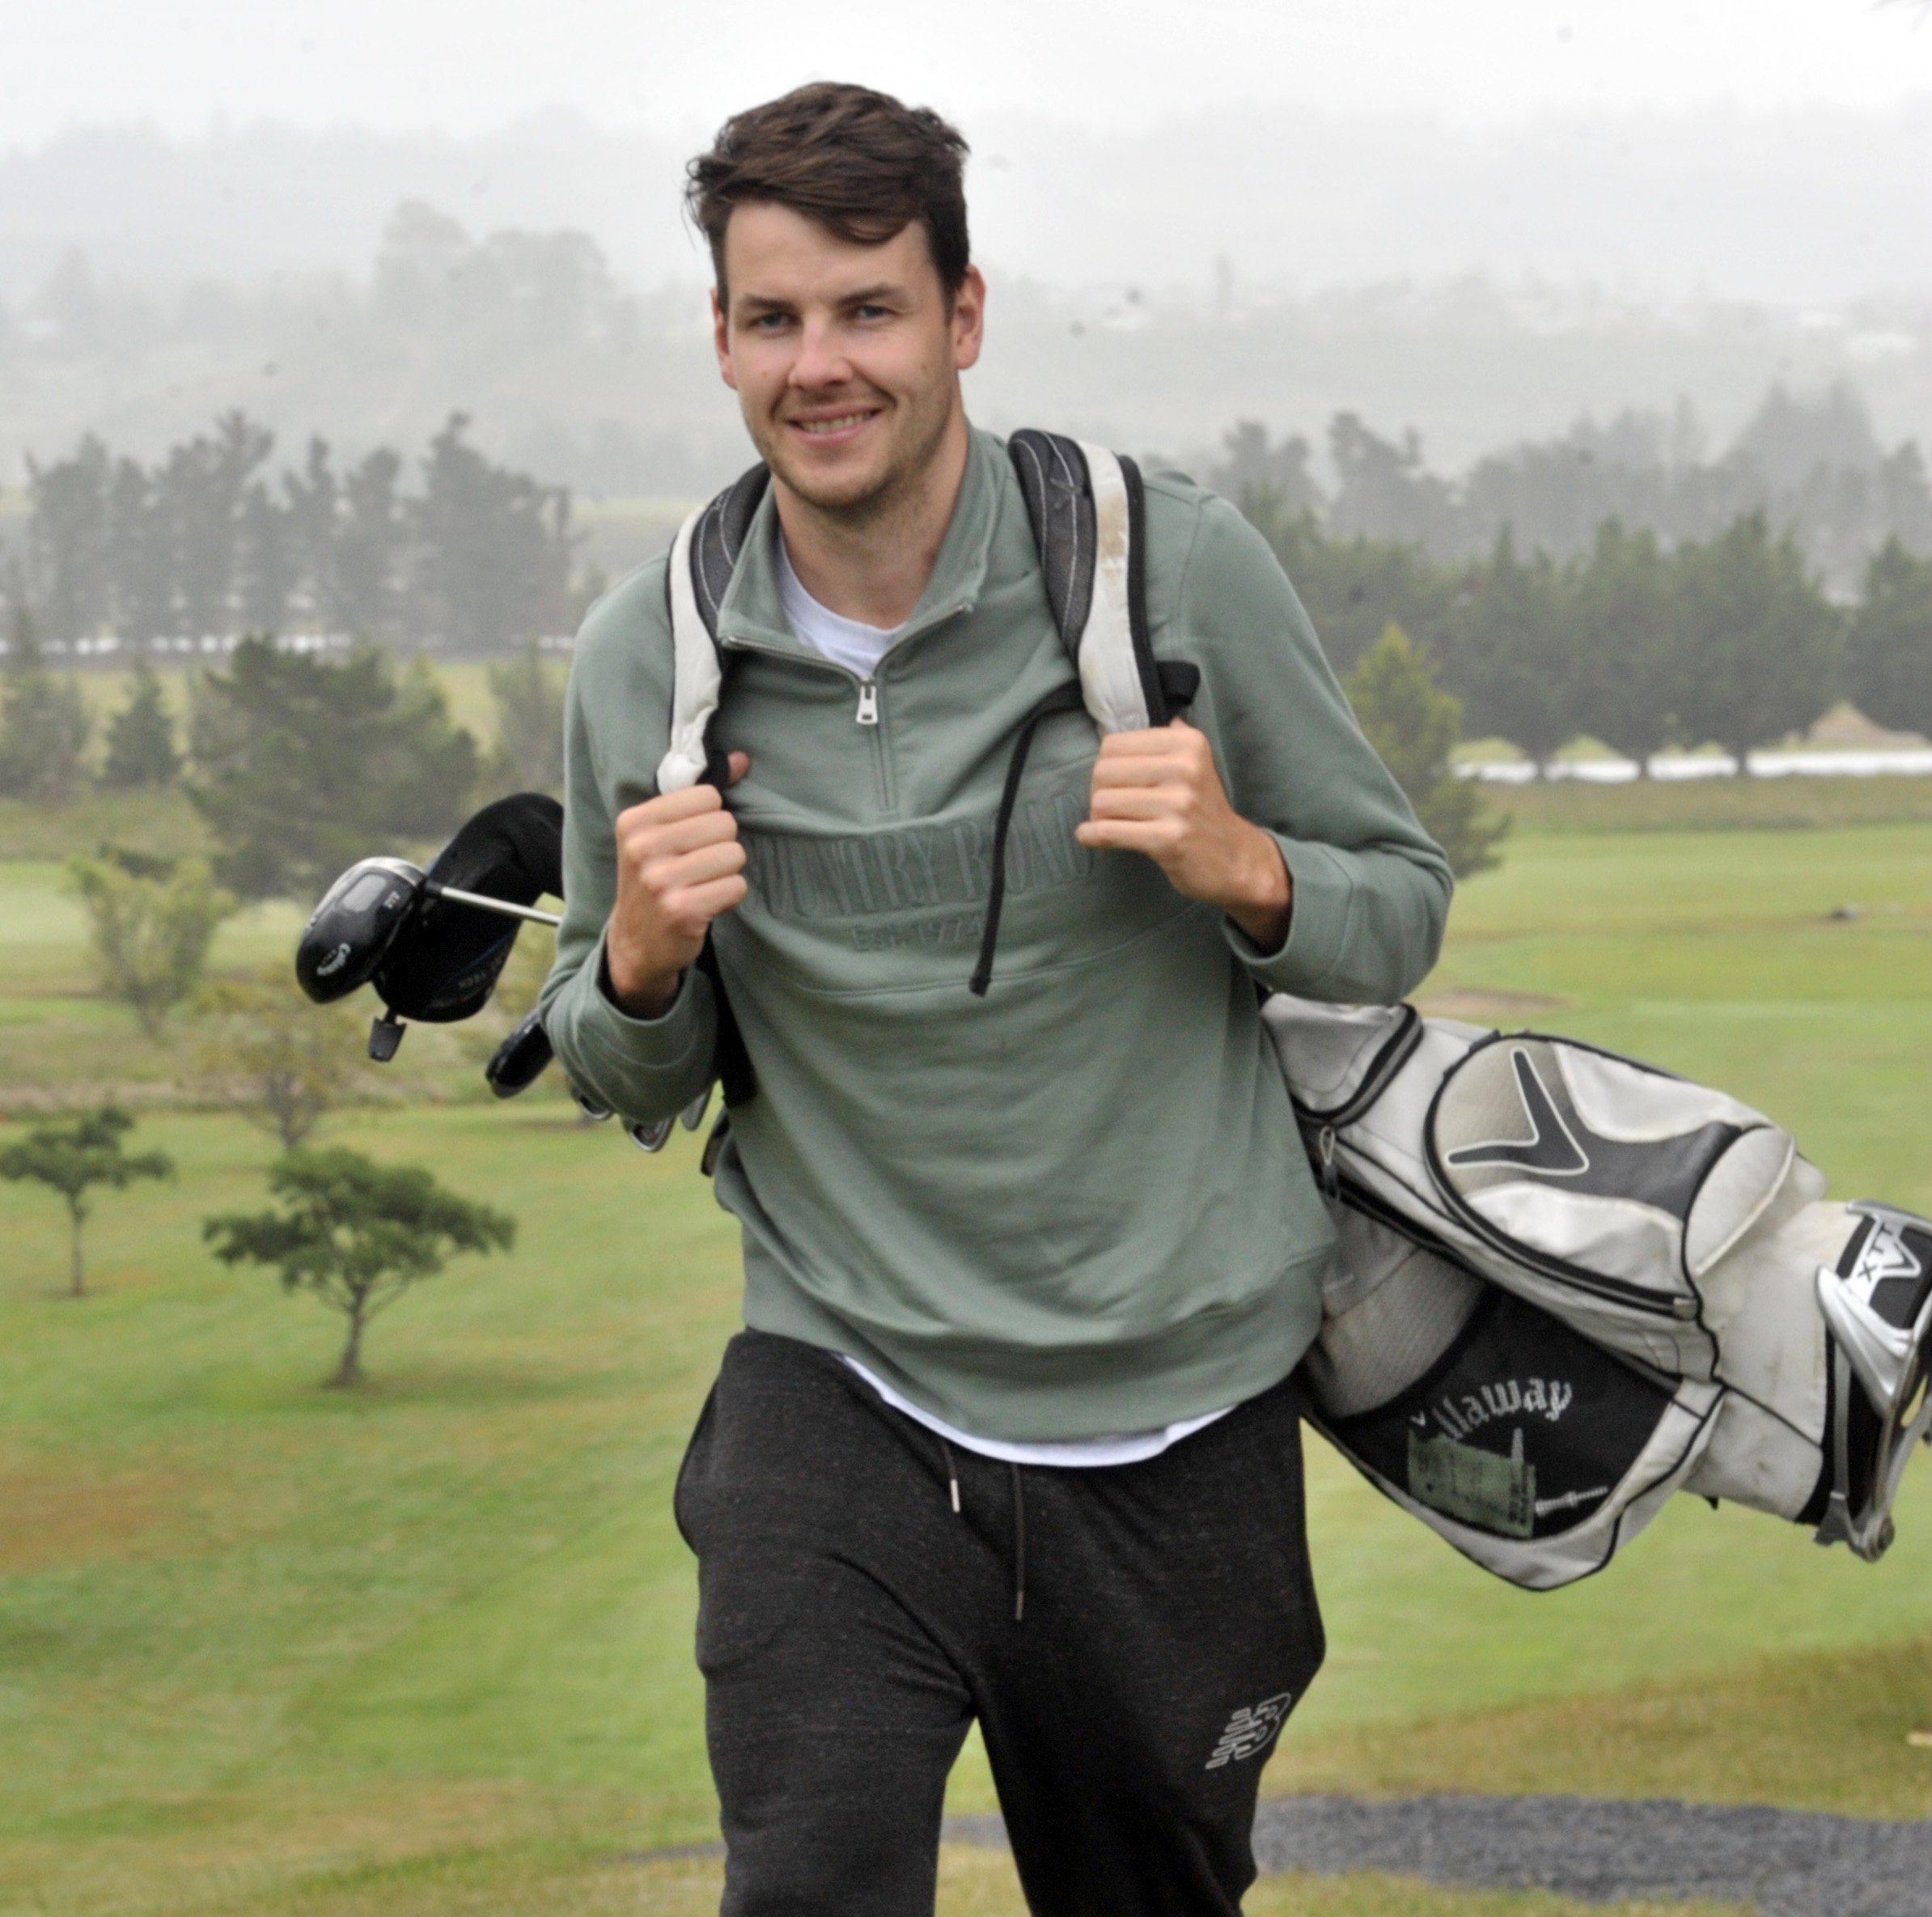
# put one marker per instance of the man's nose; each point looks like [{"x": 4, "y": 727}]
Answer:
[{"x": 821, "y": 358}]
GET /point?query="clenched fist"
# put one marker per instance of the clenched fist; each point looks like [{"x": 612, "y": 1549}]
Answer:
[
  {"x": 1157, "y": 792},
  {"x": 678, "y": 866}
]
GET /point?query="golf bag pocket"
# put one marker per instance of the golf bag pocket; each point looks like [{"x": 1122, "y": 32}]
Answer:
[
  {"x": 1601, "y": 1176},
  {"x": 1533, "y": 1451}
]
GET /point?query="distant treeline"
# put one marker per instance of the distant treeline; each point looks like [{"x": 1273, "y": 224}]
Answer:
[
  {"x": 1812, "y": 464},
  {"x": 1643, "y": 645},
  {"x": 209, "y": 541}
]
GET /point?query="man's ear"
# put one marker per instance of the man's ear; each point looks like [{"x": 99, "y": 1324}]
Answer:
[
  {"x": 721, "y": 340},
  {"x": 969, "y": 319}
]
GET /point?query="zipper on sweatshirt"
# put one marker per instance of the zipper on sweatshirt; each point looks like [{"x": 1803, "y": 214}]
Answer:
[{"x": 867, "y": 710}]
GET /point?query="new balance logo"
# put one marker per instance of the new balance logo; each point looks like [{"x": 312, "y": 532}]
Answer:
[{"x": 1249, "y": 1733}]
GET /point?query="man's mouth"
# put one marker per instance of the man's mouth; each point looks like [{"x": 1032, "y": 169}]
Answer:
[{"x": 839, "y": 422}]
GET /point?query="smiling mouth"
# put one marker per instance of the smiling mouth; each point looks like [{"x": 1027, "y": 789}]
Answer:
[{"x": 844, "y": 422}]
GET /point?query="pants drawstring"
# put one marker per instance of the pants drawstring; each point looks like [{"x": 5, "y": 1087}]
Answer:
[
  {"x": 1019, "y": 1547},
  {"x": 952, "y": 1474}
]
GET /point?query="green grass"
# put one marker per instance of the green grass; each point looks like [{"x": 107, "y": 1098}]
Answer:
[{"x": 427, "y": 1649}]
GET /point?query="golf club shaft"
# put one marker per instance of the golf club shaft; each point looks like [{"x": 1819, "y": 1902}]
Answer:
[{"x": 493, "y": 904}]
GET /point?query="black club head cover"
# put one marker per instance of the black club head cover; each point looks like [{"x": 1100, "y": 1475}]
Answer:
[
  {"x": 517, "y": 1062},
  {"x": 445, "y": 962}
]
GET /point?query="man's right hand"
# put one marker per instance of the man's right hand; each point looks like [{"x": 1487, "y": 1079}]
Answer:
[{"x": 679, "y": 866}]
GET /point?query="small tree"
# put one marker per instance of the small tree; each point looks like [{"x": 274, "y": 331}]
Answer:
[
  {"x": 151, "y": 920},
  {"x": 1889, "y": 671},
  {"x": 44, "y": 723},
  {"x": 1414, "y": 726},
  {"x": 529, "y": 697},
  {"x": 73, "y": 1159},
  {"x": 303, "y": 766},
  {"x": 356, "y": 1235},
  {"x": 141, "y": 737},
  {"x": 290, "y": 1061}
]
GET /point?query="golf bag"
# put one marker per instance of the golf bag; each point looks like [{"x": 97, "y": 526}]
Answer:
[{"x": 1569, "y": 1284}]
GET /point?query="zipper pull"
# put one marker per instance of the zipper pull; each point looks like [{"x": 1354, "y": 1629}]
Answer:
[{"x": 868, "y": 703}]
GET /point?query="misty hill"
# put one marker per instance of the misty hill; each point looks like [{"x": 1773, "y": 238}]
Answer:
[{"x": 1798, "y": 207}]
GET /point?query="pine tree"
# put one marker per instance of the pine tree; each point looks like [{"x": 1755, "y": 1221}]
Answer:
[
  {"x": 1413, "y": 725},
  {"x": 44, "y": 723},
  {"x": 141, "y": 737}
]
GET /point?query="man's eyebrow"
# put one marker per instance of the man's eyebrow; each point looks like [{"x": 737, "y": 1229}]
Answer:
[{"x": 863, "y": 296}]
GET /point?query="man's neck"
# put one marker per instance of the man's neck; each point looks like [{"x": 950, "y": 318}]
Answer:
[{"x": 874, "y": 567}]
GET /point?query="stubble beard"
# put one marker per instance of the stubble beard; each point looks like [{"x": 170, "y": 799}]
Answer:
[{"x": 923, "y": 433}]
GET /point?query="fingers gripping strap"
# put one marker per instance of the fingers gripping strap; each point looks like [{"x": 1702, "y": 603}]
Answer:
[
  {"x": 695, "y": 674},
  {"x": 1115, "y": 666}
]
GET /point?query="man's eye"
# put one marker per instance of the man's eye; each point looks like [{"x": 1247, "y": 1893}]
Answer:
[
  {"x": 875, "y": 312},
  {"x": 770, "y": 322}
]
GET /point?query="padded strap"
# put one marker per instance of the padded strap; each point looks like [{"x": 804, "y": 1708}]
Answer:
[
  {"x": 702, "y": 557},
  {"x": 1087, "y": 510}
]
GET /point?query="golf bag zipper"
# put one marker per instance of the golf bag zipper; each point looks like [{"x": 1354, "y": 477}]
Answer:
[
  {"x": 1390, "y": 1059},
  {"x": 1323, "y": 1123},
  {"x": 1358, "y": 1197}
]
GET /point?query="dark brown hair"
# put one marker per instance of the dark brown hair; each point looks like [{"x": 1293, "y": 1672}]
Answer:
[{"x": 861, "y": 163}]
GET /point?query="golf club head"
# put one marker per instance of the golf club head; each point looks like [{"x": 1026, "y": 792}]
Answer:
[
  {"x": 351, "y": 932},
  {"x": 515, "y": 1063},
  {"x": 445, "y": 963}
]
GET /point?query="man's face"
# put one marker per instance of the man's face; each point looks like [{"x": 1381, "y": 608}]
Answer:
[{"x": 846, "y": 358}]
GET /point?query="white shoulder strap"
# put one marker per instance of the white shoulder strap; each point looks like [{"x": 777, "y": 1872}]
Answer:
[
  {"x": 695, "y": 673},
  {"x": 1110, "y": 674}
]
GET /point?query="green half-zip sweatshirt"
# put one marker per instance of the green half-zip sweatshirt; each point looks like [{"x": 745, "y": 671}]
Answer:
[{"x": 1078, "y": 1206}]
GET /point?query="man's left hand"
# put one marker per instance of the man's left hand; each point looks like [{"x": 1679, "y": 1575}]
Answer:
[{"x": 1157, "y": 792}]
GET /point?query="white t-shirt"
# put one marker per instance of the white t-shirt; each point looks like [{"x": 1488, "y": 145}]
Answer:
[{"x": 859, "y": 648}]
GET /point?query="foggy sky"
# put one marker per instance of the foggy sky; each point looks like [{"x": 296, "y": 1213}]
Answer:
[{"x": 1109, "y": 64}]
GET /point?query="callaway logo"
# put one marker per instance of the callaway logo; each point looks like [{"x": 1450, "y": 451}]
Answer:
[
  {"x": 334, "y": 962},
  {"x": 1513, "y": 1397},
  {"x": 1551, "y": 1148},
  {"x": 1249, "y": 1733},
  {"x": 1885, "y": 1254}
]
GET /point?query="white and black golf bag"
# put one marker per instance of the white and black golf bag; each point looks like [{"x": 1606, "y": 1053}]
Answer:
[{"x": 1569, "y": 1284}]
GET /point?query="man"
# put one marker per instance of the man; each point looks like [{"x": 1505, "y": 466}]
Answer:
[{"x": 1011, "y": 1434}]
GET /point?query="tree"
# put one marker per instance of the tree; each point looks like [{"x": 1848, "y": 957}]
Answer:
[
  {"x": 529, "y": 699},
  {"x": 1514, "y": 646},
  {"x": 1353, "y": 588},
  {"x": 307, "y": 766},
  {"x": 141, "y": 737},
  {"x": 356, "y": 1236},
  {"x": 1414, "y": 725},
  {"x": 1889, "y": 657},
  {"x": 44, "y": 723},
  {"x": 371, "y": 546},
  {"x": 492, "y": 561},
  {"x": 292, "y": 1062},
  {"x": 151, "y": 922},
  {"x": 75, "y": 1157},
  {"x": 1625, "y": 643},
  {"x": 1761, "y": 646},
  {"x": 67, "y": 540}
]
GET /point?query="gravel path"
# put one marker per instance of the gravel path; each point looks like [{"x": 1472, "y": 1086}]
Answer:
[{"x": 1782, "y": 1863}]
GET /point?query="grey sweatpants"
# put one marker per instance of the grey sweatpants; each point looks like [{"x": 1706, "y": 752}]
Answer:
[{"x": 1130, "y": 1640}]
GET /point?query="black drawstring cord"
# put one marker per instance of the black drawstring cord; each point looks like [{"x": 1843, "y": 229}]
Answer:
[
  {"x": 1063, "y": 698},
  {"x": 952, "y": 1474},
  {"x": 1019, "y": 1547}
]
